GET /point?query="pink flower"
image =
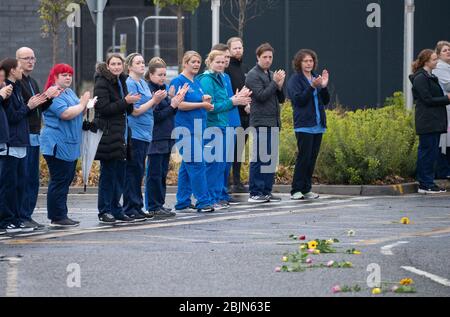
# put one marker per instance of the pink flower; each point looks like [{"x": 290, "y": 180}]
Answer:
[
  {"x": 336, "y": 289},
  {"x": 278, "y": 269},
  {"x": 309, "y": 261},
  {"x": 330, "y": 263},
  {"x": 310, "y": 251},
  {"x": 394, "y": 288}
]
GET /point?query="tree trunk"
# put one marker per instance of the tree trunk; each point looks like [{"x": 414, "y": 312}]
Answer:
[
  {"x": 180, "y": 37},
  {"x": 242, "y": 9},
  {"x": 55, "y": 47}
]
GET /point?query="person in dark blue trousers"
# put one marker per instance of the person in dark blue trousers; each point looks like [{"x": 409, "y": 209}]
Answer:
[
  {"x": 30, "y": 87},
  {"x": 140, "y": 122},
  {"x": 191, "y": 118},
  {"x": 267, "y": 94},
  {"x": 161, "y": 146},
  {"x": 430, "y": 118},
  {"x": 213, "y": 84},
  {"x": 5, "y": 92},
  {"x": 60, "y": 143},
  {"x": 13, "y": 166},
  {"x": 309, "y": 94},
  {"x": 113, "y": 105}
]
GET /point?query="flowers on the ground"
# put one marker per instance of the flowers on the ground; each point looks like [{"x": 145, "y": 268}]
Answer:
[
  {"x": 302, "y": 237},
  {"x": 406, "y": 281},
  {"x": 309, "y": 261},
  {"x": 351, "y": 233},
  {"x": 405, "y": 221},
  {"x": 284, "y": 259},
  {"x": 336, "y": 289},
  {"x": 312, "y": 244},
  {"x": 353, "y": 251},
  {"x": 330, "y": 263},
  {"x": 302, "y": 247},
  {"x": 316, "y": 251},
  {"x": 278, "y": 269},
  {"x": 329, "y": 241},
  {"x": 376, "y": 291}
]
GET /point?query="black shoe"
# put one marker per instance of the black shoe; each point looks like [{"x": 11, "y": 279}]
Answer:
[
  {"x": 106, "y": 218},
  {"x": 239, "y": 188},
  {"x": 273, "y": 198},
  {"x": 163, "y": 214},
  {"x": 146, "y": 214},
  {"x": 136, "y": 216},
  {"x": 124, "y": 218},
  {"x": 206, "y": 209},
  {"x": 233, "y": 201},
  {"x": 28, "y": 225},
  {"x": 431, "y": 190},
  {"x": 191, "y": 208},
  {"x": 65, "y": 223},
  {"x": 259, "y": 199},
  {"x": 165, "y": 208},
  {"x": 38, "y": 225},
  {"x": 11, "y": 228}
]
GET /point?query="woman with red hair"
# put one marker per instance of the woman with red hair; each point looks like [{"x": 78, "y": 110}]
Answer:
[{"x": 60, "y": 142}]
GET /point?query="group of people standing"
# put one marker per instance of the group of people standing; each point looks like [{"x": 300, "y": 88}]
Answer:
[
  {"x": 140, "y": 117},
  {"x": 431, "y": 91}
]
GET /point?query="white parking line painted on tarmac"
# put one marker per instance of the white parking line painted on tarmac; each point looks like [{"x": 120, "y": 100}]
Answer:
[
  {"x": 387, "y": 249},
  {"x": 433, "y": 277},
  {"x": 11, "y": 277}
]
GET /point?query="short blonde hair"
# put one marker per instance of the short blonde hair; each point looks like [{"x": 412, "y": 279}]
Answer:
[
  {"x": 212, "y": 56},
  {"x": 189, "y": 55}
]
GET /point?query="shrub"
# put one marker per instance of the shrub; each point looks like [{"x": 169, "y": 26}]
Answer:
[{"x": 362, "y": 146}]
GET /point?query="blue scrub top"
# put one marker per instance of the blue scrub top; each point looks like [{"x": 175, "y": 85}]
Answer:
[
  {"x": 234, "y": 120},
  {"x": 62, "y": 138},
  {"x": 194, "y": 95},
  {"x": 141, "y": 126},
  {"x": 318, "y": 128}
]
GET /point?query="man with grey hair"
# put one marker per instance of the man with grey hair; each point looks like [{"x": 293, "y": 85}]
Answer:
[{"x": 30, "y": 88}]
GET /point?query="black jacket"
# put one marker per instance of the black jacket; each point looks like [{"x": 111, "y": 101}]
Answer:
[
  {"x": 301, "y": 94},
  {"x": 266, "y": 98},
  {"x": 164, "y": 117},
  {"x": 237, "y": 71},
  {"x": 35, "y": 115},
  {"x": 431, "y": 113},
  {"x": 4, "y": 127},
  {"x": 111, "y": 114},
  {"x": 16, "y": 112}
]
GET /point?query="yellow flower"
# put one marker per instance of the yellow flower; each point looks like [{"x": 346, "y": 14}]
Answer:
[
  {"x": 406, "y": 281},
  {"x": 284, "y": 259},
  {"x": 356, "y": 252},
  {"x": 302, "y": 247},
  {"x": 312, "y": 244},
  {"x": 376, "y": 291},
  {"x": 316, "y": 251},
  {"x": 330, "y": 241},
  {"x": 404, "y": 221}
]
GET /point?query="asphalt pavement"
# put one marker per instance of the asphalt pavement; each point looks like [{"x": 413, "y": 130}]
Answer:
[{"x": 234, "y": 252}]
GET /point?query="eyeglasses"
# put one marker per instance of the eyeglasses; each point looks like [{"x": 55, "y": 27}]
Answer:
[{"x": 28, "y": 59}]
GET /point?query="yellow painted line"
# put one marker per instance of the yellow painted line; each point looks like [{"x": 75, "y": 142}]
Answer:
[
  {"x": 405, "y": 235},
  {"x": 168, "y": 224}
]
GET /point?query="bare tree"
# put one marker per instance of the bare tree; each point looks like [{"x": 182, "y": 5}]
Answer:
[
  {"x": 53, "y": 13},
  {"x": 178, "y": 7},
  {"x": 237, "y": 13}
]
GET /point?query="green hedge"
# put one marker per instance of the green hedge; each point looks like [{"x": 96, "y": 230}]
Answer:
[{"x": 360, "y": 147}]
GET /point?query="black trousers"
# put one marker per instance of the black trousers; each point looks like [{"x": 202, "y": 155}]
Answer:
[
  {"x": 308, "y": 146},
  {"x": 237, "y": 156}
]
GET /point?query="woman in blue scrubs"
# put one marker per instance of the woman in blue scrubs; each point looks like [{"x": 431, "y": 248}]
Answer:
[
  {"x": 190, "y": 122},
  {"x": 60, "y": 142},
  {"x": 140, "y": 122}
]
